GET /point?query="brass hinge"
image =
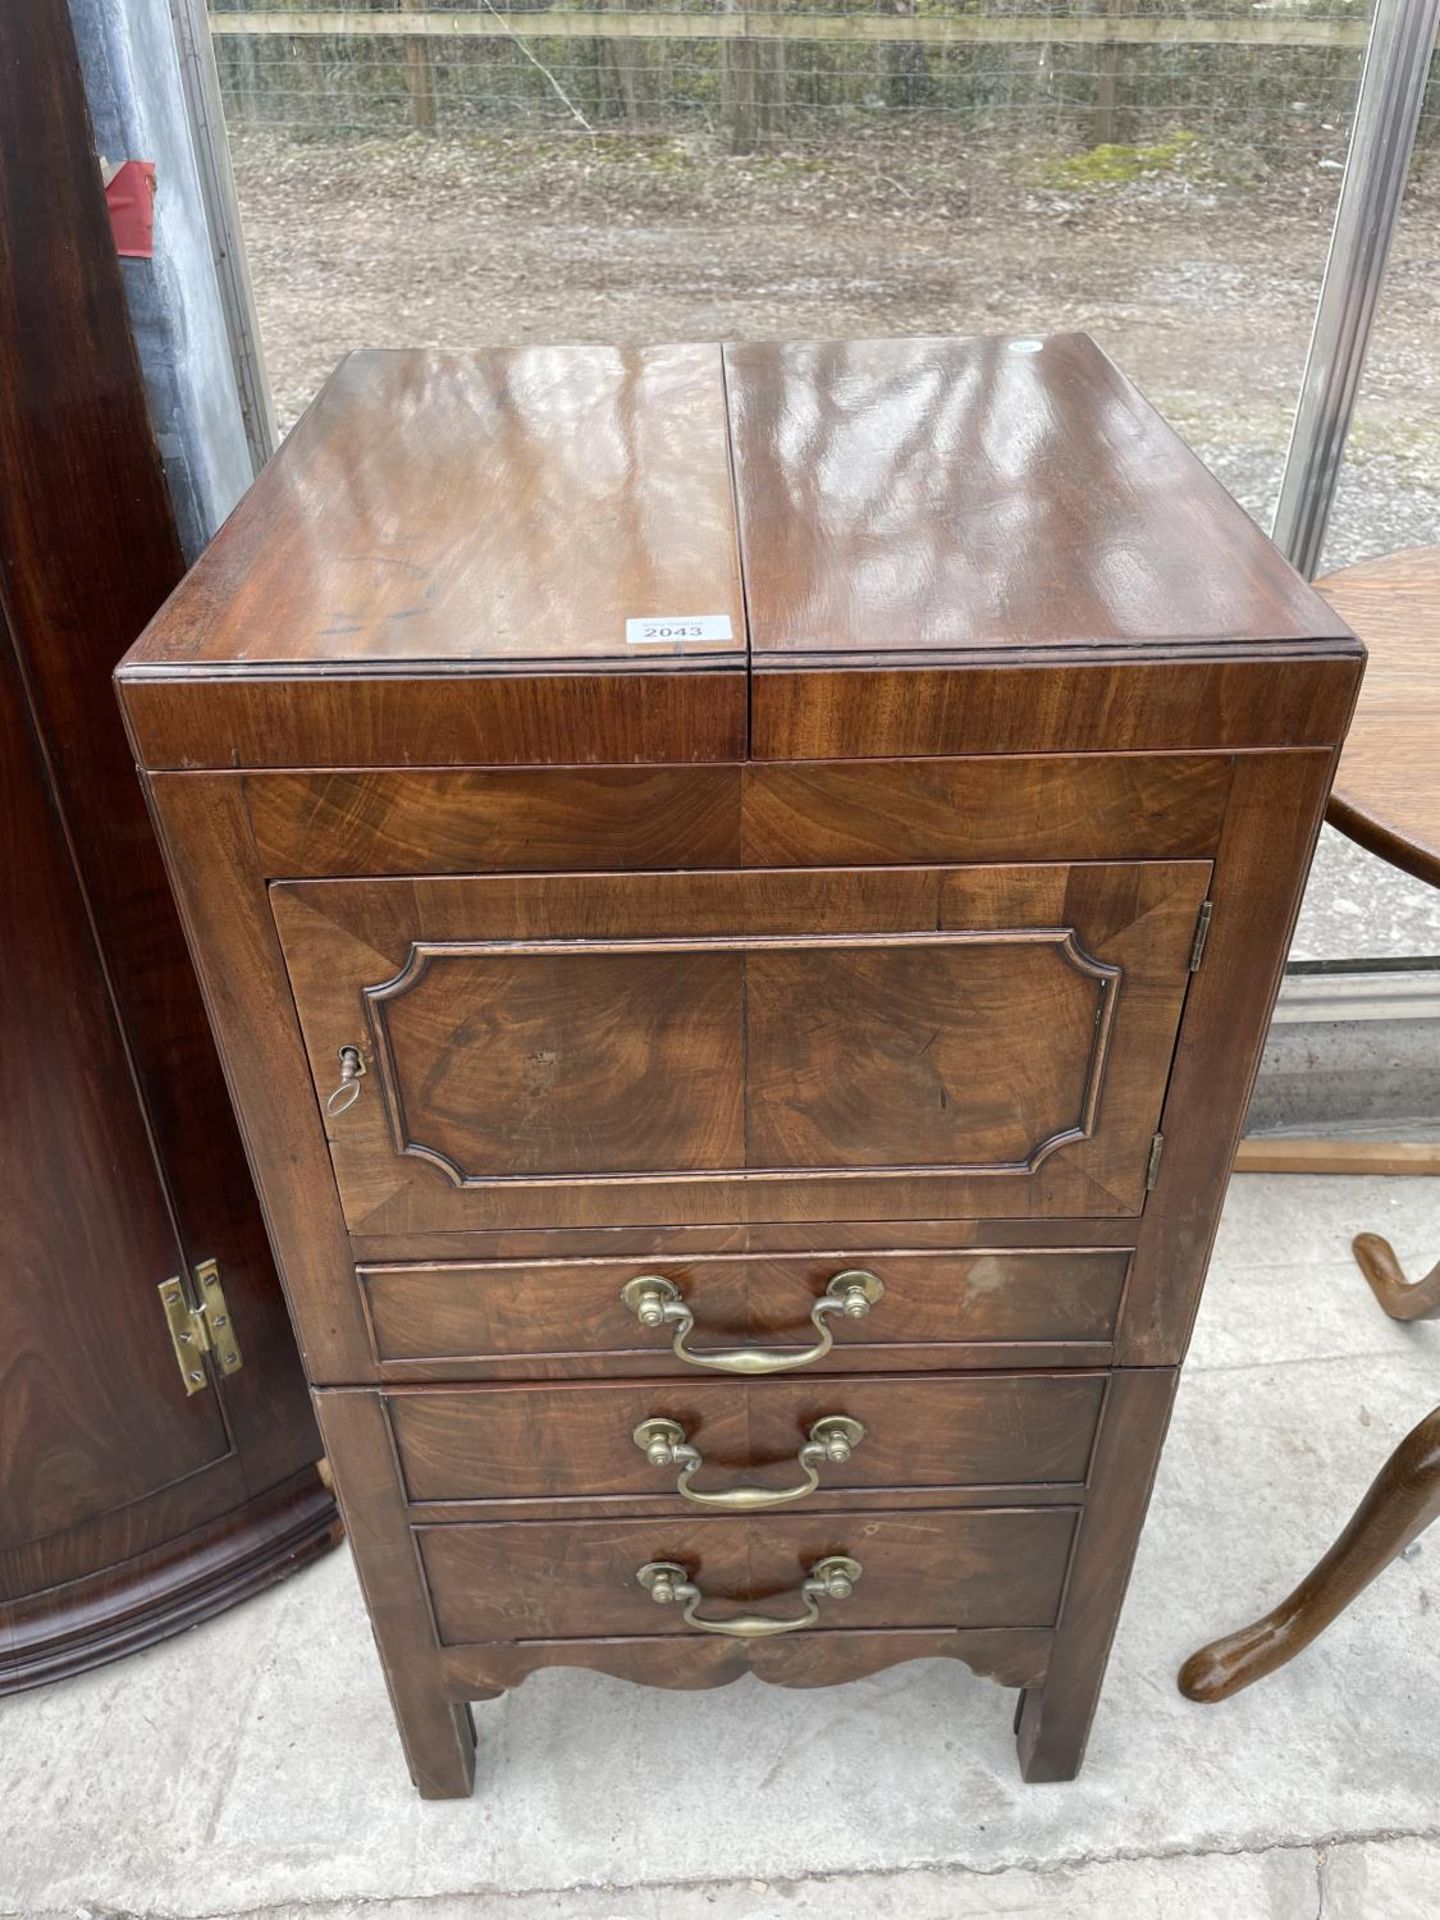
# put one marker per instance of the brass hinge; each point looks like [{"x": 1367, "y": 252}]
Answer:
[
  {"x": 1152, "y": 1165},
  {"x": 196, "y": 1331},
  {"x": 1202, "y": 934}
]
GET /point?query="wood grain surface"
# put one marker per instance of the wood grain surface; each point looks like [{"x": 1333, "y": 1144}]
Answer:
[
  {"x": 566, "y": 1317},
  {"x": 197, "y": 720},
  {"x": 726, "y": 1076},
  {"x": 1271, "y": 826},
  {"x": 1387, "y": 792},
  {"x": 819, "y": 1657},
  {"x": 92, "y": 1416},
  {"x": 573, "y": 1441},
  {"x": 923, "y": 496},
  {"x": 1093, "y": 806},
  {"x": 435, "y": 507},
  {"x": 974, "y": 1569},
  {"x": 1153, "y": 703},
  {"x": 127, "y": 1510},
  {"x": 1053, "y": 1723},
  {"x": 867, "y": 941},
  {"x": 496, "y": 821}
]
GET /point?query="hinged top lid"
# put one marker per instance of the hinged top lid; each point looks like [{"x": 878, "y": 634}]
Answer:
[
  {"x": 539, "y": 507},
  {"x": 939, "y": 497},
  {"x": 534, "y": 556}
]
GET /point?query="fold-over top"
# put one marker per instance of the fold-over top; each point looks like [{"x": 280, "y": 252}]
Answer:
[{"x": 652, "y": 529}]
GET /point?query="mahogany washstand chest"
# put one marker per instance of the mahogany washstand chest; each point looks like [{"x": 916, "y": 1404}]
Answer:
[{"x": 740, "y": 891}]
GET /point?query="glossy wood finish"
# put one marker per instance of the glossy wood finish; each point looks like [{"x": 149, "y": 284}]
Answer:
[
  {"x": 716, "y": 1046},
  {"x": 799, "y": 959},
  {"x": 462, "y": 498},
  {"x": 128, "y": 1510},
  {"x": 601, "y": 819},
  {"x": 507, "y": 1443},
  {"x": 1093, "y": 806},
  {"x": 1089, "y": 806},
  {"x": 936, "y": 1569},
  {"x": 591, "y": 719},
  {"x": 565, "y": 1318},
  {"x": 1401, "y": 1503},
  {"x": 921, "y": 497},
  {"x": 1402, "y": 1299},
  {"x": 1387, "y": 792},
  {"x": 169, "y": 1588},
  {"x": 436, "y": 508},
  {"x": 93, "y": 1419},
  {"x": 1154, "y": 705}
]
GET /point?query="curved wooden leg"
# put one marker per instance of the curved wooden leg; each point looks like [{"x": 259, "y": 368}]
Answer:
[
  {"x": 1402, "y": 1299},
  {"x": 1401, "y": 1503}
]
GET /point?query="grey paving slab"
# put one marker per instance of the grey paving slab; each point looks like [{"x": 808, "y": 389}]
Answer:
[
  {"x": 1283, "y": 1282},
  {"x": 1278, "y": 1885},
  {"x": 251, "y": 1766},
  {"x": 1381, "y": 1880},
  {"x": 1360, "y": 908}
]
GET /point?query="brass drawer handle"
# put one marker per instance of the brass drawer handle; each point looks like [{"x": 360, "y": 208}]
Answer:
[
  {"x": 655, "y": 1301},
  {"x": 831, "y": 1443},
  {"x": 830, "y": 1579},
  {"x": 352, "y": 1072}
]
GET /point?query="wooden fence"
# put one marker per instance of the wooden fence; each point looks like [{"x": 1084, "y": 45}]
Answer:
[
  {"x": 752, "y": 42},
  {"x": 858, "y": 29}
]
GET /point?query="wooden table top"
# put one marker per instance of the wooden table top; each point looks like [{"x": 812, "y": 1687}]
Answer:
[
  {"x": 573, "y": 509},
  {"x": 1387, "y": 792}
]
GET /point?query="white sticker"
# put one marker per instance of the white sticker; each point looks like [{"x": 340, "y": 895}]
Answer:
[{"x": 671, "y": 629}]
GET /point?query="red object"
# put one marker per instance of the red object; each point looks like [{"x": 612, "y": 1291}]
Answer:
[{"x": 130, "y": 196}]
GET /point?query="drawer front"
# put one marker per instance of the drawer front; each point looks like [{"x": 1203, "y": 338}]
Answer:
[
  {"x": 566, "y": 1318},
  {"x": 578, "y": 1442},
  {"x": 981, "y": 1568},
  {"x": 972, "y": 1042}
]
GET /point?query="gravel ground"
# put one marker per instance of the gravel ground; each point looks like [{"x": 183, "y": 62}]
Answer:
[{"x": 1201, "y": 285}]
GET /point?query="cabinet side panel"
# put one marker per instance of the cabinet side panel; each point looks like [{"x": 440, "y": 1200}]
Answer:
[
  {"x": 1277, "y": 804},
  {"x": 215, "y": 872}
]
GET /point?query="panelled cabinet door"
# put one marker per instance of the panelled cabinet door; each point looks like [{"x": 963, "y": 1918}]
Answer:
[{"x": 944, "y": 1041}]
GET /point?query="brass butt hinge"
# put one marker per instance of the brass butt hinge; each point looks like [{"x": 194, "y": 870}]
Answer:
[
  {"x": 196, "y": 1331},
  {"x": 1152, "y": 1166},
  {"x": 1202, "y": 934}
]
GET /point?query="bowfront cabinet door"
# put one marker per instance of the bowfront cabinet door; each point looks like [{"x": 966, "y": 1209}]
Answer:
[{"x": 945, "y": 1041}]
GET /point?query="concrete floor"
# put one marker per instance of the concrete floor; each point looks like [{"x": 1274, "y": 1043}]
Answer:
[
  {"x": 251, "y": 1768},
  {"x": 1360, "y": 908}
]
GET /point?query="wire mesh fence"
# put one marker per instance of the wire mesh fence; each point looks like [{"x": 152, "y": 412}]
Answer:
[{"x": 1267, "y": 77}]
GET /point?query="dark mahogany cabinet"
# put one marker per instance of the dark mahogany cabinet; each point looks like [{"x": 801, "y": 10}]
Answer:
[
  {"x": 740, "y": 891},
  {"x": 143, "y": 1483}
]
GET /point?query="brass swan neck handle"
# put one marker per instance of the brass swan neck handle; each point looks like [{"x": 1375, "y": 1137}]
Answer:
[
  {"x": 657, "y": 1302},
  {"x": 831, "y": 1443},
  {"x": 833, "y": 1578}
]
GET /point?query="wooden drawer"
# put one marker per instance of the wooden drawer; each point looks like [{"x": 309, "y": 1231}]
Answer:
[
  {"x": 573, "y": 1442},
  {"x": 517, "y": 1581},
  {"x": 565, "y": 1318},
  {"x": 945, "y": 1042}
]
